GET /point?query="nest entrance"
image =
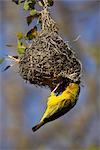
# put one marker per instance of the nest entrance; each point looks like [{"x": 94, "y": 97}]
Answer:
[{"x": 49, "y": 59}]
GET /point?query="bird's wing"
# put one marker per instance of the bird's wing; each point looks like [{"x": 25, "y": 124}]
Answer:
[{"x": 55, "y": 111}]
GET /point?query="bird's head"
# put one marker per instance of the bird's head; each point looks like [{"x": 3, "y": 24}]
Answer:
[{"x": 73, "y": 86}]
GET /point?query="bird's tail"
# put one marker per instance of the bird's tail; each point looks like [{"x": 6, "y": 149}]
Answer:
[{"x": 35, "y": 128}]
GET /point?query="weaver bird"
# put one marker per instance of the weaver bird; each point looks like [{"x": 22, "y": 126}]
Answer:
[{"x": 58, "y": 105}]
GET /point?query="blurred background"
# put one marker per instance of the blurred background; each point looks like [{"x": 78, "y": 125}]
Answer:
[{"x": 22, "y": 104}]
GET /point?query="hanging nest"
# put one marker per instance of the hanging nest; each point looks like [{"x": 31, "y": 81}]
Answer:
[{"x": 49, "y": 59}]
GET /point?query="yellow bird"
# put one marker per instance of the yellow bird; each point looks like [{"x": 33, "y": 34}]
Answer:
[{"x": 59, "y": 105}]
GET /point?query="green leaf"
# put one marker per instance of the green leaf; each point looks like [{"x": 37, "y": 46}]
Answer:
[
  {"x": 29, "y": 19},
  {"x": 33, "y": 12},
  {"x": 26, "y": 5},
  {"x": 50, "y": 2},
  {"x": 32, "y": 33},
  {"x": 18, "y": 1},
  {"x": 39, "y": 19},
  {"x": 29, "y": 4},
  {"x": 1, "y": 60},
  {"x": 20, "y": 35},
  {"x": 20, "y": 47},
  {"x": 21, "y": 50}
]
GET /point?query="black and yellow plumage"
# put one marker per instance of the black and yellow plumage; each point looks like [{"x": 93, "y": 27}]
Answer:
[{"x": 59, "y": 105}]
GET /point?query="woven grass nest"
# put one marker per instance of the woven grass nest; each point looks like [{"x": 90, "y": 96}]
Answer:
[{"x": 49, "y": 58}]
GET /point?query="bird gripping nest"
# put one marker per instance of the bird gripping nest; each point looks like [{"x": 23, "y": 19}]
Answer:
[{"x": 49, "y": 59}]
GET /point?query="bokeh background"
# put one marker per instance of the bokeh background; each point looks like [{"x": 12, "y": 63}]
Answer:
[{"x": 22, "y": 104}]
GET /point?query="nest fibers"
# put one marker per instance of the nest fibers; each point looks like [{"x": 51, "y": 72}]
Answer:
[{"x": 49, "y": 58}]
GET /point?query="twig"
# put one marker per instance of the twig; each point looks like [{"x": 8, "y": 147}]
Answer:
[
  {"x": 13, "y": 58},
  {"x": 55, "y": 88}
]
